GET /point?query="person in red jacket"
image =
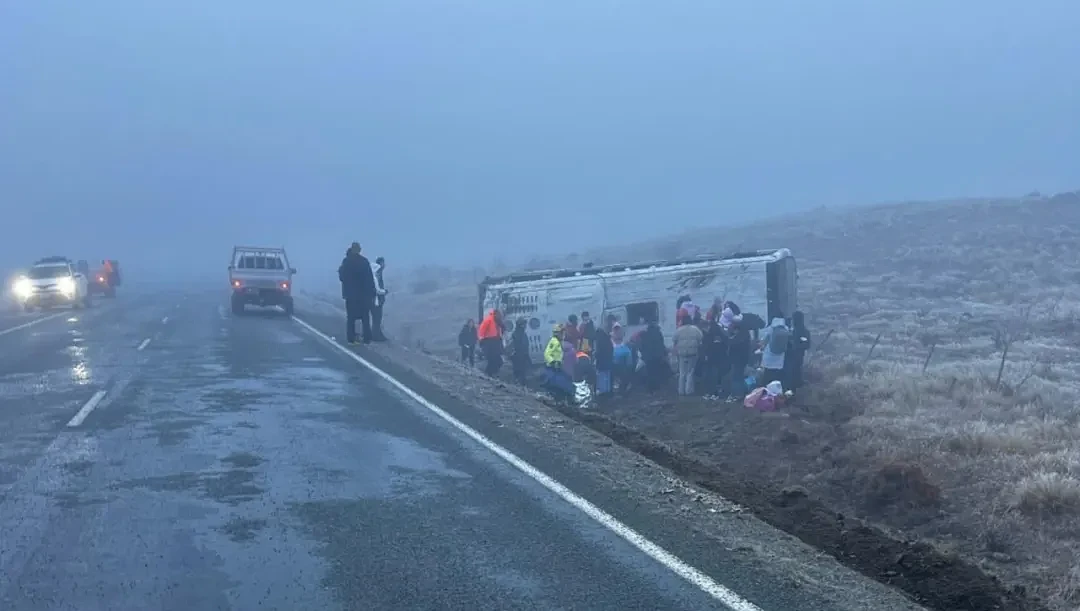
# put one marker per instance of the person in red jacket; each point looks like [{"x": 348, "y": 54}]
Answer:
[{"x": 107, "y": 272}]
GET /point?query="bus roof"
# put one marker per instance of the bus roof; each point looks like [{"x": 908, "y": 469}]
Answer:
[{"x": 589, "y": 269}]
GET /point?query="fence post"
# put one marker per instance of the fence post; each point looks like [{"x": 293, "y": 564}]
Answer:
[
  {"x": 874, "y": 345},
  {"x": 926, "y": 363}
]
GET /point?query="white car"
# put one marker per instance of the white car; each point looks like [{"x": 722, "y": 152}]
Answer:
[{"x": 51, "y": 282}]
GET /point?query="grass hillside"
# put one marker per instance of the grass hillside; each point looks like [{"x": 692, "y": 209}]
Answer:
[{"x": 946, "y": 396}]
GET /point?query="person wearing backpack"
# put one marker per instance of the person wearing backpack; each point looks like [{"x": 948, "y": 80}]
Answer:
[{"x": 774, "y": 345}]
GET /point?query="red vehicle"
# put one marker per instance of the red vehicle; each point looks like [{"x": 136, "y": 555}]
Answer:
[{"x": 105, "y": 279}]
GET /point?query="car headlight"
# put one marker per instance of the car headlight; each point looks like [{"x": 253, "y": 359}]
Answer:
[
  {"x": 67, "y": 286},
  {"x": 22, "y": 288}
]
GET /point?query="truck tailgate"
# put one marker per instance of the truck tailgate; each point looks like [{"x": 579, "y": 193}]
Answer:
[{"x": 260, "y": 279}]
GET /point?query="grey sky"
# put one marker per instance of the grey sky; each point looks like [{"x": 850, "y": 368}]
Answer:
[{"x": 429, "y": 129}]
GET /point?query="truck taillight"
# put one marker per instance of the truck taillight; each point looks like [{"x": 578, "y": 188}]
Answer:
[
  {"x": 236, "y": 284},
  {"x": 285, "y": 285}
]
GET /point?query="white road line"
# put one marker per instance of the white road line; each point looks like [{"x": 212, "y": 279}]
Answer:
[
  {"x": 143, "y": 344},
  {"x": 31, "y": 323},
  {"x": 78, "y": 418},
  {"x": 165, "y": 320},
  {"x": 706, "y": 584}
]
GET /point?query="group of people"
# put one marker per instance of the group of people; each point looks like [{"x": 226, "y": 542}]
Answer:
[
  {"x": 364, "y": 292},
  {"x": 488, "y": 336},
  {"x": 721, "y": 353},
  {"x": 730, "y": 354}
]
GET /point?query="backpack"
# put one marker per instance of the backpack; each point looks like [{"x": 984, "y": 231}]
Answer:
[
  {"x": 778, "y": 340},
  {"x": 751, "y": 399}
]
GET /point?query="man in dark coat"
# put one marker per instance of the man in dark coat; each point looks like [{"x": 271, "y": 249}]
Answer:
[
  {"x": 358, "y": 289},
  {"x": 739, "y": 348},
  {"x": 654, "y": 353},
  {"x": 604, "y": 359},
  {"x": 717, "y": 359}
]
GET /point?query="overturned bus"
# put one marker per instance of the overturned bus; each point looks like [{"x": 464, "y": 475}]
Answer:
[{"x": 761, "y": 282}]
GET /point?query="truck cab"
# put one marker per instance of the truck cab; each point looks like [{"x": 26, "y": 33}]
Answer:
[{"x": 261, "y": 277}]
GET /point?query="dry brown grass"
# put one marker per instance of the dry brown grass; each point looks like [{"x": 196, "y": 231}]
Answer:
[{"x": 926, "y": 433}]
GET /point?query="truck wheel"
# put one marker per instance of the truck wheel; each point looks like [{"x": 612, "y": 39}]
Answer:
[
  {"x": 237, "y": 307},
  {"x": 289, "y": 307}
]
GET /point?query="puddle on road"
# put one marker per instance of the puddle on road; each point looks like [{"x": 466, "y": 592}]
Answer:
[
  {"x": 173, "y": 432},
  {"x": 243, "y": 460},
  {"x": 241, "y": 530},
  {"x": 214, "y": 369},
  {"x": 245, "y": 384},
  {"x": 232, "y": 487},
  {"x": 275, "y": 422},
  {"x": 284, "y": 335}
]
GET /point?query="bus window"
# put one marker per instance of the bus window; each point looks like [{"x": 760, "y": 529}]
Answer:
[{"x": 642, "y": 313}]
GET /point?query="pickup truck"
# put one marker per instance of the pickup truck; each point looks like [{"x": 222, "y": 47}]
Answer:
[{"x": 260, "y": 276}]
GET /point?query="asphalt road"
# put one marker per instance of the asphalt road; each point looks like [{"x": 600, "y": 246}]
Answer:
[{"x": 156, "y": 452}]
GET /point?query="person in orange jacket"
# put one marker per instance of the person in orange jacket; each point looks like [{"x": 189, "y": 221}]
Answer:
[
  {"x": 490, "y": 335},
  {"x": 107, "y": 271}
]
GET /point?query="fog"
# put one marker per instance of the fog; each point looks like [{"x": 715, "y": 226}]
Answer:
[{"x": 161, "y": 134}]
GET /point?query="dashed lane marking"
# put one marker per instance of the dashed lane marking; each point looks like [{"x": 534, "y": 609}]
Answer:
[
  {"x": 31, "y": 323},
  {"x": 79, "y": 417},
  {"x": 165, "y": 320},
  {"x": 729, "y": 598},
  {"x": 144, "y": 343}
]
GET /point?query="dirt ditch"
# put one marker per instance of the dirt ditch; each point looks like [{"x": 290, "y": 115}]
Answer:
[{"x": 937, "y": 580}]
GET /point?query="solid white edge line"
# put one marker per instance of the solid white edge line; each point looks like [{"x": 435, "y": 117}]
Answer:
[
  {"x": 78, "y": 418},
  {"x": 706, "y": 584},
  {"x": 31, "y": 323},
  {"x": 144, "y": 343}
]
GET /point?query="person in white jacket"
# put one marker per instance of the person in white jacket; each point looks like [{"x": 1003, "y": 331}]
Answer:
[{"x": 380, "y": 299}]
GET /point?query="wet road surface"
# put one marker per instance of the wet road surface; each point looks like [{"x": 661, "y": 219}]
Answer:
[{"x": 156, "y": 452}]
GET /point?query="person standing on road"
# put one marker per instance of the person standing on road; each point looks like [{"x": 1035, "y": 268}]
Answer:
[
  {"x": 358, "y": 289},
  {"x": 380, "y": 299},
  {"x": 687, "y": 343}
]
